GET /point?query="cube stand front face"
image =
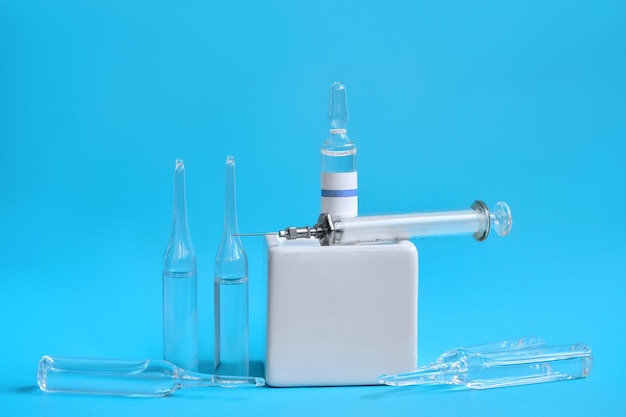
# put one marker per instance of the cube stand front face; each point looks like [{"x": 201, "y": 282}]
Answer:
[{"x": 340, "y": 315}]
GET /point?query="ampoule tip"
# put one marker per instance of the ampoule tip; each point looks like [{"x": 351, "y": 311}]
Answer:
[{"x": 338, "y": 107}]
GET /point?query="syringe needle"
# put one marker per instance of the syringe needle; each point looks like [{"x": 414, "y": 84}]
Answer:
[{"x": 255, "y": 234}]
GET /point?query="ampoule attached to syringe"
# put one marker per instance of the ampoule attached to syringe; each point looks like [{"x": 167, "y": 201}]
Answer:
[{"x": 476, "y": 221}]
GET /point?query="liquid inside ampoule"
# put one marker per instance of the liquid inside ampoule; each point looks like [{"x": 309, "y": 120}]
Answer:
[
  {"x": 180, "y": 326},
  {"x": 231, "y": 320}
]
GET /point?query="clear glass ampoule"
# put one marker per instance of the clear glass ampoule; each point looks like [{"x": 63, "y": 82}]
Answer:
[
  {"x": 180, "y": 314},
  {"x": 339, "y": 175},
  {"x": 231, "y": 290}
]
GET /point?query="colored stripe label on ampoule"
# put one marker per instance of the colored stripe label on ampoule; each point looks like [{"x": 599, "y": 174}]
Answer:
[{"x": 340, "y": 194}]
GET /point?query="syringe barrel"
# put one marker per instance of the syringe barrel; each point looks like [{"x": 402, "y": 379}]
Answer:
[{"x": 364, "y": 229}]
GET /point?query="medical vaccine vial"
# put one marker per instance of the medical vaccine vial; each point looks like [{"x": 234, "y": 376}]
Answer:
[
  {"x": 180, "y": 313},
  {"x": 339, "y": 175},
  {"x": 231, "y": 291}
]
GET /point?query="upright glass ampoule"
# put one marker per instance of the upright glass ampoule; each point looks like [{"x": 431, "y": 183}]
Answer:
[
  {"x": 231, "y": 290},
  {"x": 339, "y": 174},
  {"x": 180, "y": 313}
]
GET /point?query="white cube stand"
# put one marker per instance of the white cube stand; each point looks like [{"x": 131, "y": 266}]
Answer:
[{"x": 340, "y": 315}]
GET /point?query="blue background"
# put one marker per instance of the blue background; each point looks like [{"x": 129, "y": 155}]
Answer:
[{"x": 450, "y": 101}]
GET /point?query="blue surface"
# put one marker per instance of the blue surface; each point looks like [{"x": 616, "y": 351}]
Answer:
[{"x": 450, "y": 102}]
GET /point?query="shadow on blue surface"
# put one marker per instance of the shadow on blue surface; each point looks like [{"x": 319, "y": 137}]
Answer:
[{"x": 28, "y": 389}]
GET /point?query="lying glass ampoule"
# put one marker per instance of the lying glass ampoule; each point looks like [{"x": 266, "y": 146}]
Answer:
[
  {"x": 131, "y": 378},
  {"x": 532, "y": 364},
  {"x": 231, "y": 290},
  {"x": 180, "y": 313}
]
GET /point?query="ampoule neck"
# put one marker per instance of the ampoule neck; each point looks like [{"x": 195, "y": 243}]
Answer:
[
  {"x": 179, "y": 221},
  {"x": 179, "y": 255},
  {"x": 230, "y": 212},
  {"x": 231, "y": 260},
  {"x": 338, "y": 139}
]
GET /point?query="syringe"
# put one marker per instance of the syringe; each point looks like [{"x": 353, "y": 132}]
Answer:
[{"x": 477, "y": 221}]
